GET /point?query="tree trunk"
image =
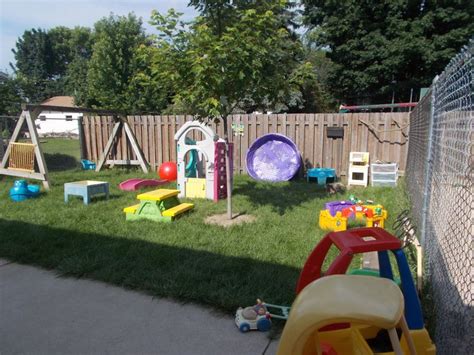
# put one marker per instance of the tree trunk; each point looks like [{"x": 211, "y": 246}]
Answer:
[{"x": 227, "y": 170}]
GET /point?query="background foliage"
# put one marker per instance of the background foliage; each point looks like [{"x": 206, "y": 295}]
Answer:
[
  {"x": 275, "y": 55},
  {"x": 382, "y": 47}
]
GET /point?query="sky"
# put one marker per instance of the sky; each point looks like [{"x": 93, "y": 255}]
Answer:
[{"x": 16, "y": 16}]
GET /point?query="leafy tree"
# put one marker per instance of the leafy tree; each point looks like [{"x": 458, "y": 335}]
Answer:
[
  {"x": 50, "y": 63},
  {"x": 447, "y": 26},
  {"x": 33, "y": 53},
  {"x": 392, "y": 45},
  {"x": 62, "y": 53},
  {"x": 75, "y": 81},
  {"x": 158, "y": 66},
  {"x": 116, "y": 40},
  {"x": 34, "y": 64},
  {"x": 252, "y": 62},
  {"x": 148, "y": 89},
  {"x": 310, "y": 94},
  {"x": 10, "y": 97},
  {"x": 72, "y": 50},
  {"x": 218, "y": 12},
  {"x": 317, "y": 93},
  {"x": 80, "y": 52},
  {"x": 222, "y": 13}
]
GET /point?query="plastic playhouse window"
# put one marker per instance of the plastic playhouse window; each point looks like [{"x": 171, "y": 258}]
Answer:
[
  {"x": 193, "y": 136},
  {"x": 195, "y": 164}
]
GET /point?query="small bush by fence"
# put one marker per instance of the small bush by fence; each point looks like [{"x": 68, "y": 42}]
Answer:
[
  {"x": 440, "y": 180},
  {"x": 383, "y": 135}
]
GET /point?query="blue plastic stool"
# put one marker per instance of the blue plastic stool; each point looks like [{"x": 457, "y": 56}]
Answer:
[
  {"x": 322, "y": 175},
  {"x": 86, "y": 189}
]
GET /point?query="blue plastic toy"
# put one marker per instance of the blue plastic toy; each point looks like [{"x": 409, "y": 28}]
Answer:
[
  {"x": 87, "y": 164},
  {"x": 22, "y": 191},
  {"x": 322, "y": 175}
]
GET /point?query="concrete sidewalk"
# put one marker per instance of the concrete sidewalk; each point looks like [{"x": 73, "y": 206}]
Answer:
[{"x": 41, "y": 313}]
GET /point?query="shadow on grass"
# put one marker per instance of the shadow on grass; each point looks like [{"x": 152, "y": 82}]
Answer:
[
  {"x": 221, "y": 281},
  {"x": 282, "y": 197},
  {"x": 58, "y": 161},
  {"x": 447, "y": 291},
  {"x": 94, "y": 198}
]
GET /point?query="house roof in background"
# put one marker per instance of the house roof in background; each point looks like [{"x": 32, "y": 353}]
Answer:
[{"x": 63, "y": 101}]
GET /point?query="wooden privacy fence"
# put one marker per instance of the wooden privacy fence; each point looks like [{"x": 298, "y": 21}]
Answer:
[{"x": 383, "y": 135}]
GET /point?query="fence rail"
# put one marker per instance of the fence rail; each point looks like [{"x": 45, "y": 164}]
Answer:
[{"x": 383, "y": 135}]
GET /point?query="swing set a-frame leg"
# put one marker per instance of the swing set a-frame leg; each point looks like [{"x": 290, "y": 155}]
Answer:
[
  {"x": 43, "y": 169},
  {"x": 119, "y": 125},
  {"x": 108, "y": 146}
]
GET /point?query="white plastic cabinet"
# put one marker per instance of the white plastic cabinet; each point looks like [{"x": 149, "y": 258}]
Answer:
[{"x": 383, "y": 174}]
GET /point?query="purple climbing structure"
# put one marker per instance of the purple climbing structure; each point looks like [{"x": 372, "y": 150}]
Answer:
[{"x": 220, "y": 176}]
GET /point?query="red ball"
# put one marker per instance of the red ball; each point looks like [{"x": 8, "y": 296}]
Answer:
[{"x": 168, "y": 171}]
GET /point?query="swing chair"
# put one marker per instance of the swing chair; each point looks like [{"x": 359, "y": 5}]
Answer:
[{"x": 22, "y": 157}]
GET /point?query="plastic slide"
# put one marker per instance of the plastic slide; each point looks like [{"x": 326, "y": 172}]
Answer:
[
  {"x": 191, "y": 166},
  {"x": 135, "y": 184},
  {"x": 190, "y": 170}
]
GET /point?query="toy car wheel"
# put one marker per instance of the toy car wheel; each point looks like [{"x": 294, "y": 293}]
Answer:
[
  {"x": 244, "y": 327},
  {"x": 264, "y": 324}
]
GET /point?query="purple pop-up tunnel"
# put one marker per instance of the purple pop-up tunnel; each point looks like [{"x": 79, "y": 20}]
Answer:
[{"x": 273, "y": 157}]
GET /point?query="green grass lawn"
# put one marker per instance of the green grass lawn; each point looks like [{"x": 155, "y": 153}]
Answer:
[
  {"x": 68, "y": 147},
  {"x": 185, "y": 260},
  {"x": 61, "y": 153}
]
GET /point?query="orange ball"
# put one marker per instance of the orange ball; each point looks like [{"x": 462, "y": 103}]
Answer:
[{"x": 168, "y": 171}]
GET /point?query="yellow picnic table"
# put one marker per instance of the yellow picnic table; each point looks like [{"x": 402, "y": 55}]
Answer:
[{"x": 158, "y": 205}]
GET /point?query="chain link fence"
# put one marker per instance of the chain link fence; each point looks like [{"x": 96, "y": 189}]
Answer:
[{"x": 440, "y": 182}]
